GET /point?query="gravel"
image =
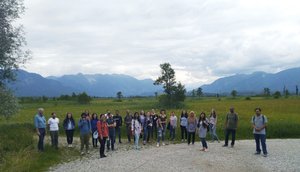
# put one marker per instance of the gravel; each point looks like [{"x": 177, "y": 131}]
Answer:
[{"x": 284, "y": 155}]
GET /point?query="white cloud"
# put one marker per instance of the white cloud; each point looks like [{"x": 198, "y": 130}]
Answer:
[{"x": 203, "y": 40}]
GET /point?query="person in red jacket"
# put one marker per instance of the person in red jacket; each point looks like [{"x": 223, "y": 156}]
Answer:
[{"x": 102, "y": 134}]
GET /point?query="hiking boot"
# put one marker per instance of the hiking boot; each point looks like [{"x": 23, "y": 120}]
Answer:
[
  {"x": 225, "y": 145},
  {"x": 257, "y": 153},
  {"x": 265, "y": 155}
]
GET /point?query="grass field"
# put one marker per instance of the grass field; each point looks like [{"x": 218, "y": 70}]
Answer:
[{"x": 283, "y": 116}]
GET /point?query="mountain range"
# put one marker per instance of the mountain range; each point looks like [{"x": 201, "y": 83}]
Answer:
[
  {"x": 256, "y": 82},
  {"x": 100, "y": 85},
  {"x": 107, "y": 85}
]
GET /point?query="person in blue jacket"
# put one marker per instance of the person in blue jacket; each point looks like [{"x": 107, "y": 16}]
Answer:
[
  {"x": 85, "y": 131},
  {"x": 40, "y": 125}
]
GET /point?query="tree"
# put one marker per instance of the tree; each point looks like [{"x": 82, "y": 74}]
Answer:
[
  {"x": 193, "y": 93},
  {"x": 233, "y": 93},
  {"x": 119, "y": 96},
  {"x": 12, "y": 41},
  {"x": 267, "y": 92},
  {"x": 83, "y": 98},
  {"x": 8, "y": 103},
  {"x": 297, "y": 90},
  {"x": 199, "y": 92},
  {"x": 12, "y": 53},
  {"x": 174, "y": 92},
  {"x": 286, "y": 93},
  {"x": 277, "y": 95}
]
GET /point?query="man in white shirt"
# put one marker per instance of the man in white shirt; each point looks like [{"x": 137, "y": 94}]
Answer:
[{"x": 53, "y": 125}]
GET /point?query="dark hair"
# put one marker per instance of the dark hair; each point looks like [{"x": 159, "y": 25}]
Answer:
[
  {"x": 258, "y": 108},
  {"x": 136, "y": 116},
  {"x": 184, "y": 114},
  {"x": 202, "y": 118},
  {"x": 53, "y": 113},
  {"x": 213, "y": 114},
  {"x": 67, "y": 116},
  {"x": 83, "y": 115},
  {"x": 101, "y": 115},
  {"x": 94, "y": 115},
  {"x": 162, "y": 110}
]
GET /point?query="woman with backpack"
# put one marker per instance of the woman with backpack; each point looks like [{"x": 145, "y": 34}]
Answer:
[
  {"x": 191, "y": 127},
  {"x": 213, "y": 126},
  {"x": 94, "y": 121},
  {"x": 203, "y": 125},
  {"x": 136, "y": 129},
  {"x": 69, "y": 126}
]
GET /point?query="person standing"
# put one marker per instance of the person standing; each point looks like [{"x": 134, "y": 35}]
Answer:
[
  {"x": 136, "y": 129},
  {"x": 119, "y": 121},
  {"x": 94, "y": 121},
  {"x": 85, "y": 131},
  {"x": 154, "y": 128},
  {"x": 142, "y": 121},
  {"x": 231, "y": 124},
  {"x": 111, "y": 132},
  {"x": 203, "y": 125},
  {"x": 147, "y": 127},
  {"x": 161, "y": 127},
  {"x": 213, "y": 126},
  {"x": 53, "y": 128},
  {"x": 69, "y": 126},
  {"x": 259, "y": 124},
  {"x": 173, "y": 125},
  {"x": 102, "y": 133},
  {"x": 128, "y": 120},
  {"x": 191, "y": 128},
  {"x": 40, "y": 126},
  {"x": 183, "y": 125}
]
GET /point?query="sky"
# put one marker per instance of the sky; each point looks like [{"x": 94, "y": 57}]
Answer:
[{"x": 202, "y": 40}]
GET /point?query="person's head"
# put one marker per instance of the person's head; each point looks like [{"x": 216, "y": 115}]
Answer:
[
  {"x": 127, "y": 112},
  {"x": 69, "y": 115},
  {"x": 172, "y": 113},
  {"x": 109, "y": 115},
  {"x": 213, "y": 113},
  {"x": 153, "y": 111},
  {"x": 136, "y": 115},
  {"x": 258, "y": 111},
  {"x": 94, "y": 116},
  {"x": 142, "y": 112},
  {"x": 162, "y": 112},
  {"x": 40, "y": 111},
  {"x": 102, "y": 117},
  {"x": 53, "y": 114},
  {"x": 117, "y": 112},
  {"x": 202, "y": 116},
  {"x": 231, "y": 109},
  {"x": 148, "y": 114},
  {"x": 83, "y": 116},
  {"x": 192, "y": 114}
]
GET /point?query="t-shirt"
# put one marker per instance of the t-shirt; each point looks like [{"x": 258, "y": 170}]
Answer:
[
  {"x": 53, "y": 124},
  {"x": 183, "y": 121},
  {"x": 173, "y": 121},
  {"x": 232, "y": 120},
  {"x": 258, "y": 121}
]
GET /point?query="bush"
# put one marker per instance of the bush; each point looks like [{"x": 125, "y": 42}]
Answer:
[
  {"x": 8, "y": 103},
  {"x": 83, "y": 98},
  {"x": 277, "y": 95},
  {"x": 248, "y": 98}
]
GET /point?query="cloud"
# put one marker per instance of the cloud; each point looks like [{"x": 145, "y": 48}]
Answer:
[{"x": 203, "y": 40}]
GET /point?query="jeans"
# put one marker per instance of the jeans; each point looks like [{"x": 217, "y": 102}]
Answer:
[
  {"x": 146, "y": 134},
  {"x": 69, "y": 134},
  {"x": 42, "y": 132},
  {"x": 154, "y": 130},
  {"x": 118, "y": 133},
  {"x": 228, "y": 131},
  {"x": 204, "y": 144},
  {"x": 172, "y": 133},
  {"x": 161, "y": 132},
  {"x": 111, "y": 141},
  {"x": 102, "y": 146},
  {"x": 212, "y": 131},
  {"x": 84, "y": 138},
  {"x": 191, "y": 135},
  {"x": 183, "y": 132},
  {"x": 128, "y": 129},
  {"x": 260, "y": 138},
  {"x": 136, "y": 140},
  {"x": 54, "y": 138},
  {"x": 94, "y": 141}
]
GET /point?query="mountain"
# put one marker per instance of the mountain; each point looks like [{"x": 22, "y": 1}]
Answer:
[
  {"x": 255, "y": 83},
  {"x": 108, "y": 85},
  {"x": 31, "y": 84}
]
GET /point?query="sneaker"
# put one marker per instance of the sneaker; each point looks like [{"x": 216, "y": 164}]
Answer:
[
  {"x": 82, "y": 153},
  {"x": 225, "y": 145},
  {"x": 202, "y": 149},
  {"x": 206, "y": 150},
  {"x": 71, "y": 145},
  {"x": 163, "y": 144},
  {"x": 265, "y": 155},
  {"x": 157, "y": 145},
  {"x": 257, "y": 153}
]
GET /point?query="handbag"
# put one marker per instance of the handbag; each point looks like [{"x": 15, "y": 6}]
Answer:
[{"x": 95, "y": 135}]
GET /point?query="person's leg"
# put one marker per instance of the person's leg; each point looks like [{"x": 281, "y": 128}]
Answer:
[
  {"x": 163, "y": 134},
  {"x": 202, "y": 142},
  {"x": 189, "y": 137},
  {"x": 136, "y": 142},
  {"x": 215, "y": 133},
  {"x": 205, "y": 143},
  {"x": 159, "y": 135},
  {"x": 86, "y": 140},
  {"x": 56, "y": 139},
  {"x": 233, "y": 137},
  {"x": 263, "y": 143},
  {"x": 182, "y": 132},
  {"x": 52, "y": 138},
  {"x": 226, "y": 137},
  {"x": 149, "y": 132},
  {"x": 108, "y": 141},
  {"x": 68, "y": 136},
  {"x": 193, "y": 137},
  {"x": 81, "y": 143},
  {"x": 145, "y": 134},
  {"x": 71, "y": 136},
  {"x": 211, "y": 133},
  {"x": 256, "y": 138},
  {"x": 41, "y": 138},
  {"x": 119, "y": 134},
  {"x": 185, "y": 132},
  {"x": 113, "y": 141}
]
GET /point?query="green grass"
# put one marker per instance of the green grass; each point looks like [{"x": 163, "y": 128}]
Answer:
[{"x": 18, "y": 147}]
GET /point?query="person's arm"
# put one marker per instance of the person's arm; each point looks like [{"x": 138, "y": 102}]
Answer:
[
  {"x": 226, "y": 120},
  {"x": 36, "y": 125}
]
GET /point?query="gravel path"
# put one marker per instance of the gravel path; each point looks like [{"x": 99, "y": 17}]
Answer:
[{"x": 284, "y": 155}]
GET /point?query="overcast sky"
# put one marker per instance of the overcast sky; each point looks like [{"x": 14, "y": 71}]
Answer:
[{"x": 202, "y": 40}]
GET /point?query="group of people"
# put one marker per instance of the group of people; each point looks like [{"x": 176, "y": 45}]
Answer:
[{"x": 150, "y": 125}]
